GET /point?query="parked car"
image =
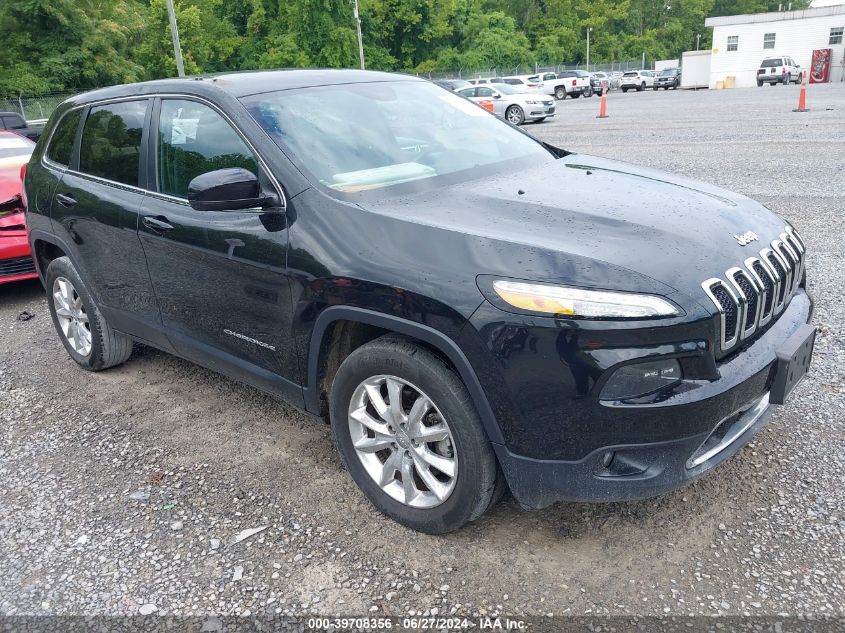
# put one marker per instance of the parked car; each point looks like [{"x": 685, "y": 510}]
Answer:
[
  {"x": 16, "y": 123},
  {"x": 452, "y": 84},
  {"x": 778, "y": 70},
  {"x": 548, "y": 83},
  {"x": 598, "y": 81},
  {"x": 512, "y": 103},
  {"x": 525, "y": 83},
  {"x": 578, "y": 83},
  {"x": 637, "y": 80},
  {"x": 16, "y": 262},
  {"x": 383, "y": 255},
  {"x": 486, "y": 80},
  {"x": 668, "y": 78}
]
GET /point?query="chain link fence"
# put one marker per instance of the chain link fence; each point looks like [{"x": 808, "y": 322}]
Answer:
[{"x": 35, "y": 109}]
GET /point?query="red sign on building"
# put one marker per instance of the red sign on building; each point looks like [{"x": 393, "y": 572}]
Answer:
[{"x": 820, "y": 68}]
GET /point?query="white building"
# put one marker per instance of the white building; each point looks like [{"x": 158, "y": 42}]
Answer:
[{"x": 741, "y": 42}]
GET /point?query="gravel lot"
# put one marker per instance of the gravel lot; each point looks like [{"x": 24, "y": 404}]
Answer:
[{"x": 123, "y": 492}]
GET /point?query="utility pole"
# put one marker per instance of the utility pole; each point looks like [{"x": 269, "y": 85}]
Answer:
[
  {"x": 697, "y": 40},
  {"x": 174, "y": 33},
  {"x": 588, "y": 47},
  {"x": 358, "y": 26}
]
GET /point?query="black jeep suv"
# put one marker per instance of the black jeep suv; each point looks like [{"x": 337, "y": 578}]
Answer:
[{"x": 388, "y": 256}]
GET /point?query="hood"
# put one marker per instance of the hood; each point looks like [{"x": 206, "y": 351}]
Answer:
[{"x": 602, "y": 215}]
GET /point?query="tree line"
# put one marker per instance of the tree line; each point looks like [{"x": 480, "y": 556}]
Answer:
[{"x": 56, "y": 45}]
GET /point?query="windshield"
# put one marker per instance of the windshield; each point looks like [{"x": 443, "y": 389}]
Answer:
[
  {"x": 633, "y": 73},
  {"x": 771, "y": 63},
  {"x": 12, "y": 146},
  {"x": 668, "y": 72},
  {"x": 357, "y": 137}
]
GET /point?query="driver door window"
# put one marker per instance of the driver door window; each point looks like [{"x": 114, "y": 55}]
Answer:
[{"x": 194, "y": 139}]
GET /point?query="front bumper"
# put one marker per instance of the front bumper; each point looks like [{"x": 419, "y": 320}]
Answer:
[
  {"x": 533, "y": 112},
  {"x": 16, "y": 262},
  {"x": 574, "y": 447}
]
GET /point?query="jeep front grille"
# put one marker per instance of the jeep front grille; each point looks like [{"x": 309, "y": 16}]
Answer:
[{"x": 750, "y": 296}]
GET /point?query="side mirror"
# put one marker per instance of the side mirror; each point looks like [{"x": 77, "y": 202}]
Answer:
[{"x": 226, "y": 190}]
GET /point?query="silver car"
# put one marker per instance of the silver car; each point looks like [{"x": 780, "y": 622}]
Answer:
[{"x": 511, "y": 104}]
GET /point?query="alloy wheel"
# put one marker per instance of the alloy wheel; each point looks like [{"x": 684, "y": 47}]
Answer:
[
  {"x": 403, "y": 441},
  {"x": 71, "y": 315}
]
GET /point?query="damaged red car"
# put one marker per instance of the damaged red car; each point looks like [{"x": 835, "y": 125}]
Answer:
[{"x": 15, "y": 257}]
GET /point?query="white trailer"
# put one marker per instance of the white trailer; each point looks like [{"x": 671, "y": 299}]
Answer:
[{"x": 695, "y": 69}]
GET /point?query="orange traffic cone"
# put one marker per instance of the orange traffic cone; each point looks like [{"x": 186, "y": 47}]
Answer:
[
  {"x": 802, "y": 97},
  {"x": 603, "y": 106}
]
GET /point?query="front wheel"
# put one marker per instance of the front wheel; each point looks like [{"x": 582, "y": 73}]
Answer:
[
  {"x": 624, "y": 90},
  {"x": 410, "y": 437},
  {"x": 515, "y": 115},
  {"x": 641, "y": 87},
  {"x": 560, "y": 93},
  {"x": 84, "y": 331}
]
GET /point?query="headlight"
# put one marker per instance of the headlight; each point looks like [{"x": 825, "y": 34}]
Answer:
[
  {"x": 640, "y": 379},
  {"x": 582, "y": 303}
]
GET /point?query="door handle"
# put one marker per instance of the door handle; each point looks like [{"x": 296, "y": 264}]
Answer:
[
  {"x": 66, "y": 200},
  {"x": 156, "y": 223}
]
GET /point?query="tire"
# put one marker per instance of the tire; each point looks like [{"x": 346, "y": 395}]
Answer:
[
  {"x": 655, "y": 88},
  {"x": 414, "y": 371},
  {"x": 759, "y": 84},
  {"x": 641, "y": 87},
  {"x": 560, "y": 93},
  {"x": 787, "y": 79},
  {"x": 514, "y": 114},
  {"x": 78, "y": 320},
  {"x": 624, "y": 90},
  {"x": 588, "y": 93},
  {"x": 576, "y": 95}
]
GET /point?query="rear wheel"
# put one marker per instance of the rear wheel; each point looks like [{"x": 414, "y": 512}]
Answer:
[
  {"x": 787, "y": 79},
  {"x": 759, "y": 84},
  {"x": 515, "y": 115},
  {"x": 560, "y": 93},
  {"x": 84, "y": 331},
  {"x": 410, "y": 437},
  {"x": 641, "y": 87}
]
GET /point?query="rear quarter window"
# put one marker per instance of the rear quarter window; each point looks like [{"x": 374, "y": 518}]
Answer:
[
  {"x": 111, "y": 141},
  {"x": 61, "y": 144}
]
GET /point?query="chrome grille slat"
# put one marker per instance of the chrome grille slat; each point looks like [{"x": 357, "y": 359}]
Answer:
[
  {"x": 767, "y": 283},
  {"x": 749, "y": 297}
]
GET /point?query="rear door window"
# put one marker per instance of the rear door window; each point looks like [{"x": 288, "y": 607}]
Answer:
[
  {"x": 194, "y": 139},
  {"x": 111, "y": 141},
  {"x": 61, "y": 145}
]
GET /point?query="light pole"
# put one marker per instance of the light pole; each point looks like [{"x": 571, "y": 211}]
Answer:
[
  {"x": 174, "y": 34},
  {"x": 588, "y": 47},
  {"x": 358, "y": 26}
]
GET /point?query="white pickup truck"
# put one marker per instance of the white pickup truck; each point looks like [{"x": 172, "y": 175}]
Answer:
[{"x": 572, "y": 83}]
